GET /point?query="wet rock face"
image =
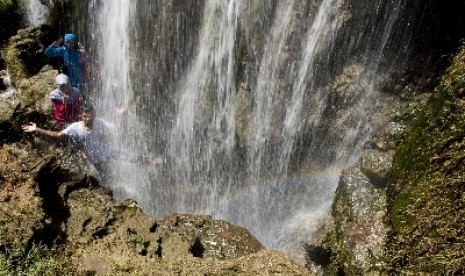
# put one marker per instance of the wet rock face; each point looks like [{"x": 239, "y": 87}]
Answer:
[
  {"x": 396, "y": 211},
  {"x": 358, "y": 237},
  {"x": 375, "y": 165}
]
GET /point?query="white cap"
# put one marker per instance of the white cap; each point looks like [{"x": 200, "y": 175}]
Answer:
[{"x": 62, "y": 79}]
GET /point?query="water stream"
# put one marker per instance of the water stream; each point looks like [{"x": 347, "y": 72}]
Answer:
[
  {"x": 36, "y": 12},
  {"x": 254, "y": 107}
]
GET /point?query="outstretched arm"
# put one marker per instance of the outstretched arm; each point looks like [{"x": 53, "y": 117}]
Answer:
[{"x": 33, "y": 128}]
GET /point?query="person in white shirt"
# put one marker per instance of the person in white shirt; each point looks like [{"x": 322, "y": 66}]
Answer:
[{"x": 93, "y": 134}]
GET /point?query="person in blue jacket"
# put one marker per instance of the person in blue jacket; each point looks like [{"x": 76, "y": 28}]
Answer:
[{"x": 73, "y": 55}]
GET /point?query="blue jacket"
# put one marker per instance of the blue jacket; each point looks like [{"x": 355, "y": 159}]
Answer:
[{"x": 72, "y": 61}]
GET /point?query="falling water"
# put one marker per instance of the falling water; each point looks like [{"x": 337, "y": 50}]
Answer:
[
  {"x": 254, "y": 107},
  {"x": 36, "y": 11}
]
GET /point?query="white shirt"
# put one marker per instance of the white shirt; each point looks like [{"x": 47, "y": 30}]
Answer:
[{"x": 96, "y": 141}]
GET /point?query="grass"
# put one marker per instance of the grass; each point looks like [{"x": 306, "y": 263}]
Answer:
[{"x": 39, "y": 260}]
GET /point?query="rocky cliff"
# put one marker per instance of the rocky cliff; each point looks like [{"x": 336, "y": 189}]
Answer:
[{"x": 56, "y": 219}]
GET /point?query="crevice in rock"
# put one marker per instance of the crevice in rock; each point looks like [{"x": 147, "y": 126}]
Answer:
[
  {"x": 131, "y": 231},
  {"x": 159, "y": 250},
  {"x": 104, "y": 230},
  {"x": 86, "y": 222},
  {"x": 318, "y": 255},
  {"x": 74, "y": 186},
  {"x": 197, "y": 249},
  {"x": 100, "y": 233},
  {"x": 8, "y": 134},
  {"x": 144, "y": 250},
  {"x": 153, "y": 228},
  {"x": 379, "y": 182},
  {"x": 48, "y": 180},
  {"x": 177, "y": 221}
]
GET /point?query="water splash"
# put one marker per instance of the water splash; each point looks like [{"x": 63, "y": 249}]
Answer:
[
  {"x": 256, "y": 107},
  {"x": 213, "y": 71}
]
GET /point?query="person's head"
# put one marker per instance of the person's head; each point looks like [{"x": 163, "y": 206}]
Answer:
[
  {"x": 62, "y": 82},
  {"x": 87, "y": 114},
  {"x": 70, "y": 41}
]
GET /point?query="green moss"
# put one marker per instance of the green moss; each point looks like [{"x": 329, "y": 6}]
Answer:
[
  {"x": 341, "y": 206},
  {"x": 335, "y": 238},
  {"x": 426, "y": 202},
  {"x": 35, "y": 90},
  {"x": 15, "y": 66},
  {"x": 132, "y": 211}
]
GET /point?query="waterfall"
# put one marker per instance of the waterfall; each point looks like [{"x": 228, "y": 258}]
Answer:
[
  {"x": 213, "y": 71},
  {"x": 36, "y": 11},
  {"x": 254, "y": 107}
]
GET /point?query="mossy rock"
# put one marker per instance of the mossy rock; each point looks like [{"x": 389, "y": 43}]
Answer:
[
  {"x": 24, "y": 54},
  {"x": 34, "y": 91},
  {"x": 427, "y": 206},
  {"x": 356, "y": 238},
  {"x": 7, "y": 108}
]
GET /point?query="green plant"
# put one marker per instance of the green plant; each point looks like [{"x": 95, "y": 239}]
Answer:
[{"x": 39, "y": 260}]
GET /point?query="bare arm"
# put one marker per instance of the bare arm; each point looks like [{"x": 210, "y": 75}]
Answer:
[{"x": 33, "y": 128}]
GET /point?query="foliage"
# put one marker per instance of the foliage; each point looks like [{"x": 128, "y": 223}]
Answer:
[
  {"x": 427, "y": 205},
  {"x": 39, "y": 260}
]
